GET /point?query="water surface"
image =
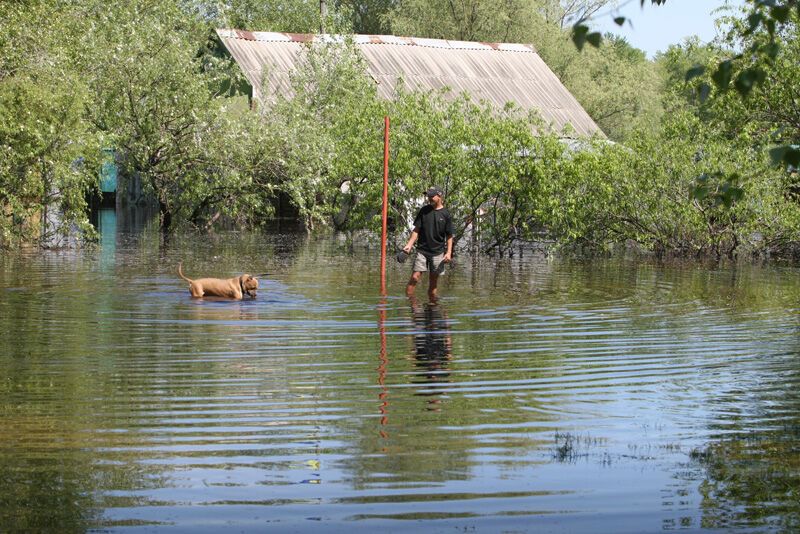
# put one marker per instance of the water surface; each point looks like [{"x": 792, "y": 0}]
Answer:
[{"x": 536, "y": 395}]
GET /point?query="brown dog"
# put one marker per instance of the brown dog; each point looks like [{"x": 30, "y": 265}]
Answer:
[{"x": 232, "y": 288}]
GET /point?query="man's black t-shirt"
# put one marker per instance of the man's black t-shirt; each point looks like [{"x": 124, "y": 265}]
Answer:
[{"x": 434, "y": 226}]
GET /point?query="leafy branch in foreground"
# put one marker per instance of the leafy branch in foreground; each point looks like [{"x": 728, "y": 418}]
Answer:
[{"x": 769, "y": 18}]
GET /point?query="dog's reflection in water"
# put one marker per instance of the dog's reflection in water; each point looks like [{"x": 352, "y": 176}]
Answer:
[{"x": 432, "y": 350}]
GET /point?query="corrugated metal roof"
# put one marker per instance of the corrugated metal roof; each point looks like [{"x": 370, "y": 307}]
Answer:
[{"x": 495, "y": 72}]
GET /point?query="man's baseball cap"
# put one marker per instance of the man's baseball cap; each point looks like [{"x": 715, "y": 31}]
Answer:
[{"x": 433, "y": 191}]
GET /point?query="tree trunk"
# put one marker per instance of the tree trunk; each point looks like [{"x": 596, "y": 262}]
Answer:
[{"x": 165, "y": 216}]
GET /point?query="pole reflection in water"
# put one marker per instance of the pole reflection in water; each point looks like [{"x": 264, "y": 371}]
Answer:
[
  {"x": 433, "y": 350},
  {"x": 383, "y": 396}
]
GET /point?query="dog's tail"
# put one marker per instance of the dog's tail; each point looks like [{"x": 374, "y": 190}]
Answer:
[{"x": 180, "y": 273}]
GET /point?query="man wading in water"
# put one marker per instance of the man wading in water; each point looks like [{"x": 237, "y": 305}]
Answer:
[{"x": 433, "y": 233}]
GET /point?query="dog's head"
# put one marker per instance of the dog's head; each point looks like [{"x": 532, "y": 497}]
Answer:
[{"x": 249, "y": 284}]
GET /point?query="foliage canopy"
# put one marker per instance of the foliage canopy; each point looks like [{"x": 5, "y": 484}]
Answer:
[{"x": 689, "y": 170}]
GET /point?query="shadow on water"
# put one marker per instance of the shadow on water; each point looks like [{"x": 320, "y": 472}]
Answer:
[{"x": 671, "y": 391}]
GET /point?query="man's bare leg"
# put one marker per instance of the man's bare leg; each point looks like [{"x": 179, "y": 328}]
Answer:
[
  {"x": 433, "y": 281},
  {"x": 412, "y": 283}
]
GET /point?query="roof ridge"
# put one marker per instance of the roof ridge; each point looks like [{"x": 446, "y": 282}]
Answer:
[{"x": 364, "y": 39}]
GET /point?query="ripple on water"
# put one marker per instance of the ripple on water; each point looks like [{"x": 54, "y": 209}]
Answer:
[{"x": 579, "y": 400}]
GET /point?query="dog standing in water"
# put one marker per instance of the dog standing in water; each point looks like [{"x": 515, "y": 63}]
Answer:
[{"x": 232, "y": 288}]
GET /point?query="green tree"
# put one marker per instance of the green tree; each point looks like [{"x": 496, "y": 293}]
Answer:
[
  {"x": 615, "y": 83},
  {"x": 565, "y": 13},
  {"x": 295, "y": 16},
  {"x": 330, "y": 139},
  {"x": 686, "y": 191},
  {"x": 369, "y": 16},
  {"x": 160, "y": 98},
  {"x": 465, "y": 20},
  {"x": 770, "y": 104},
  {"x": 760, "y": 33},
  {"x": 328, "y": 135},
  {"x": 673, "y": 64},
  {"x": 46, "y": 167},
  {"x": 487, "y": 162}
]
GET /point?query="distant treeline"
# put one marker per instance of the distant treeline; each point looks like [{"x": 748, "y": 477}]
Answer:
[{"x": 688, "y": 169}]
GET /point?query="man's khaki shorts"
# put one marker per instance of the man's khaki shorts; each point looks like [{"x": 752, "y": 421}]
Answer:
[{"x": 421, "y": 262}]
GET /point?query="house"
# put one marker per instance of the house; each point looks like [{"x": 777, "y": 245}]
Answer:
[{"x": 494, "y": 72}]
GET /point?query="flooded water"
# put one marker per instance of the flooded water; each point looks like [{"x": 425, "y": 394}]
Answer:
[{"x": 537, "y": 396}]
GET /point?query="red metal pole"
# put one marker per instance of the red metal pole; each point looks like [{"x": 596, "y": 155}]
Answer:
[{"x": 385, "y": 201}]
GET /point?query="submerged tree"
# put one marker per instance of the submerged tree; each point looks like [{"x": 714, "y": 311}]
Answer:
[
  {"x": 161, "y": 101},
  {"x": 46, "y": 149}
]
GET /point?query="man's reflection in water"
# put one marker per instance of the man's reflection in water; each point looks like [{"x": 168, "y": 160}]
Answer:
[{"x": 432, "y": 350}]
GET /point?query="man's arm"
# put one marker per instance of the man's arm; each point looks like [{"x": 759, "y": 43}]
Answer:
[{"x": 411, "y": 240}]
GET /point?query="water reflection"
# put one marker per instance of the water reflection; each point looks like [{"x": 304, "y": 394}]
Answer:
[
  {"x": 433, "y": 350},
  {"x": 382, "y": 369},
  {"x": 125, "y": 403},
  {"x": 107, "y": 228}
]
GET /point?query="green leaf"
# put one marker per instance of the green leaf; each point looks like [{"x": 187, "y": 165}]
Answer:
[
  {"x": 722, "y": 76},
  {"x": 698, "y": 192},
  {"x": 705, "y": 92},
  {"x": 780, "y": 13},
  {"x": 753, "y": 21},
  {"x": 579, "y": 32},
  {"x": 699, "y": 189},
  {"x": 730, "y": 194},
  {"x": 694, "y": 72},
  {"x": 772, "y": 49},
  {"x": 595, "y": 38},
  {"x": 619, "y": 20},
  {"x": 787, "y": 154},
  {"x": 747, "y": 79}
]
